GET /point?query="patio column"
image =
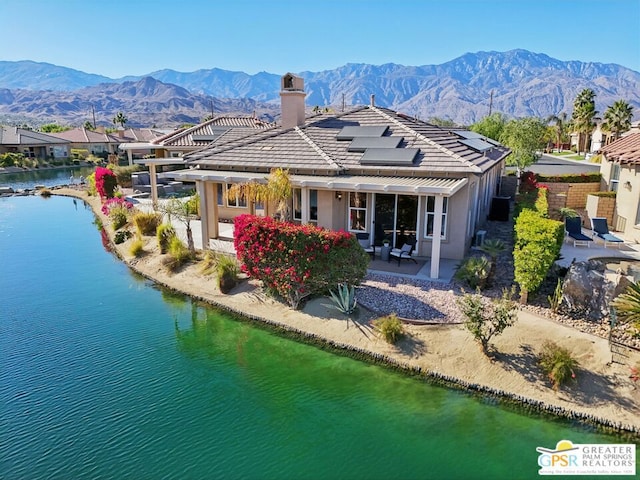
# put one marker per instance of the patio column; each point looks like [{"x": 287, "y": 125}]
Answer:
[
  {"x": 304, "y": 206},
  {"x": 436, "y": 238},
  {"x": 130, "y": 156},
  {"x": 204, "y": 213},
  {"x": 154, "y": 186}
]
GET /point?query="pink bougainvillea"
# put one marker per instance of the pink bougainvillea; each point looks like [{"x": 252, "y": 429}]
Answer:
[
  {"x": 106, "y": 182},
  {"x": 295, "y": 261},
  {"x": 113, "y": 202}
]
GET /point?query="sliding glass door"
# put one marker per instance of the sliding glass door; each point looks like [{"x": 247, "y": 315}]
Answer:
[{"x": 395, "y": 218}]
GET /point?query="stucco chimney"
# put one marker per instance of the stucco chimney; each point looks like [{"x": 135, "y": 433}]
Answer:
[
  {"x": 292, "y": 100},
  {"x": 373, "y": 100}
]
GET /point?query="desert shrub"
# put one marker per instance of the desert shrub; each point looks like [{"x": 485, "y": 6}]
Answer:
[
  {"x": 147, "y": 223},
  {"x": 119, "y": 216},
  {"x": 121, "y": 236},
  {"x": 557, "y": 363},
  {"x": 486, "y": 318},
  {"x": 209, "y": 262},
  {"x": 627, "y": 305},
  {"x": 137, "y": 247},
  {"x": 164, "y": 234},
  {"x": 45, "y": 192},
  {"x": 92, "y": 191},
  {"x": 227, "y": 270},
  {"x": 474, "y": 271},
  {"x": 390, "y": 327},
  {"x": 294, "y": 261},
  {"x": 178, "y": 254},
  {"x": 344, "y": 298}
]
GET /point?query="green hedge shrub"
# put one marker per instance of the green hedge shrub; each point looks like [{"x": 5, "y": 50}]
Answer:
[
  {"x": 604, "y": 194},
  {"x": 538, "y": 241},
  {"x": 570, "y": 178}
]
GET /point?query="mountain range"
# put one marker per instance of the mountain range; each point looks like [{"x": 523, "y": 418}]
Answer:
[{"x": 517, "y": 83}]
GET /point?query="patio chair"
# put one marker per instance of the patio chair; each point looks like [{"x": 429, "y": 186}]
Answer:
[
  {"x": 601, "y": 230},
  {"x": 403, "y": 253},
  {"x": 365, "y": 243},
  {"x": 573, "y": 229}
]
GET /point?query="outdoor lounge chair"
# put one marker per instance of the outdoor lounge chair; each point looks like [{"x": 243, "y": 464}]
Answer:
[
  {"x": 365, "y": 243},
  {"x": 601, "y": 230},
  {"x": 573, "y": 228},
  {"x": 403, "y": 252}
]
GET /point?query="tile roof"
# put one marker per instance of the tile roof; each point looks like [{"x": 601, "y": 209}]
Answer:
[
  {"x": 223, "y": 127},
  {"x": 83, "y": 135},
  {"x": 314, "y": 147},
  {"x": 624, "y": 150},
  {"x": 21, "y": 136}
]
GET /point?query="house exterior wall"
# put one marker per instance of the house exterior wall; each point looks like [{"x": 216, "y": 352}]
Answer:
[{"x": 627, "y": 203}]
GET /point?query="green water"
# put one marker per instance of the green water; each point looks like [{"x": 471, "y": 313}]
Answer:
[{"x": 105, "y": 376}]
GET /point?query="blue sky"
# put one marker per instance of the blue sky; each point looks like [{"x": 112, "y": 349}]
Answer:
[{"x": 134, "y": 37}]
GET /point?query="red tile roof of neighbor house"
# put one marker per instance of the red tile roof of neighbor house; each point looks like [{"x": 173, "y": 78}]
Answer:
[{"x": 623, "y": 150}]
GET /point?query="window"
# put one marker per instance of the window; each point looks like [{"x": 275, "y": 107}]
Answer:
[
  {"x": 430, "y": 216},
  {"x": 176, "y": 154},
  {"x": 615, "y": 177},
  {"x": 357, "y": 211},
  {"x": 313, "y": 205},
  {"x": 220, "y": 193},
  {"x": 238, "y": 202},
  {"x": 297, "y": 204}
]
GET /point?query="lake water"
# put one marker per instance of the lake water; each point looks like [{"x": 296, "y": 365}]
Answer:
[
  {"x": 47, "y": 177},
  {"x": 105, "y": 376}
]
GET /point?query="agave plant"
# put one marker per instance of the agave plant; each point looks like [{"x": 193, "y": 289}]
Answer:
[
  {"x": 344, "y": 298},
  {"x": 627, "y": 305}
]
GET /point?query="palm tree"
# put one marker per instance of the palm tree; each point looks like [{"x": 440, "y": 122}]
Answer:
[
  {"x": 584, "y": 111},
  {"x": 617, "y": 118},
  {"x": 559, "y": 127},
  {"x": 277, "y": 190},
  {"x": 120, "y": 119}
]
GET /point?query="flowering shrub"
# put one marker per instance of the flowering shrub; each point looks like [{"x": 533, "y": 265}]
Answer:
[
  {"x": 106, "y": 182},
  {"x": 294, "y": 261},
  {"x": 115, "y": 202}
]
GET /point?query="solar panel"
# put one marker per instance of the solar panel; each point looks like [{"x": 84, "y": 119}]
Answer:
[
  {"x": 389, "y": 156},
  {"x": 360, "y": 144},
  {"x": 477, "y": 144},
  {"x": 351, "y": 132},
  {"x": 468, "y": 134}
]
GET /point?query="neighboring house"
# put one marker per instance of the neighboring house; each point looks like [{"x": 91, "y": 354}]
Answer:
[
  {"x": 32, "y": 144},
  {"x": 620, "y": 169},
  {"x": 368, "y": 169},
  {"x": 98, "y": 142},
  {"x": 177, "y": 143}
]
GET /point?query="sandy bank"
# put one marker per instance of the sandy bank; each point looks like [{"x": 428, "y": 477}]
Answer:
[{"x": 604, "y": 391}]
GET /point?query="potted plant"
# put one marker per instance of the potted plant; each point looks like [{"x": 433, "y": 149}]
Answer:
[{"x": 386, "y": 242}]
